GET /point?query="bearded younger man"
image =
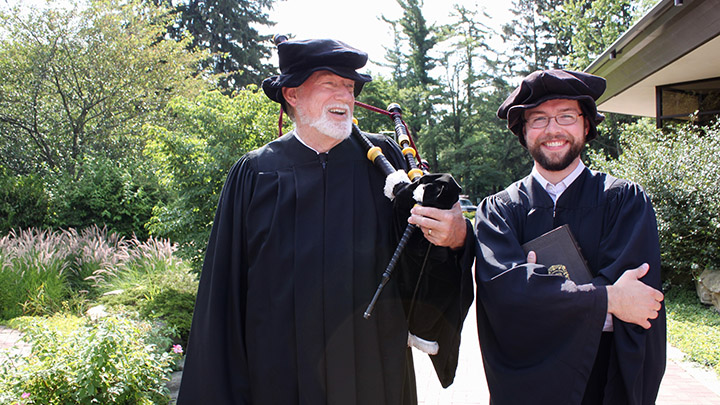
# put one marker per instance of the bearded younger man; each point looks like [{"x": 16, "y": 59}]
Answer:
[
  {"x": 546, "y": 340},
  {"x": 300, "y": 240}
]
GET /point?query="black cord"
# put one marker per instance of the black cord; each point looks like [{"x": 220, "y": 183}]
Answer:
[{"x": 417, "y": 285}]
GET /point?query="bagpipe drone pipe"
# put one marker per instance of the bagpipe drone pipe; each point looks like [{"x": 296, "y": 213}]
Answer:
[{"x": 406, "y": 189}]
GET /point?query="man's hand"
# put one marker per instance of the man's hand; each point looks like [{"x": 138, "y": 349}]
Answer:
[
  {"x": 629, "y": 299},
  {"x": 441, "y": 227},
  {"x": 633, "y": 301}
]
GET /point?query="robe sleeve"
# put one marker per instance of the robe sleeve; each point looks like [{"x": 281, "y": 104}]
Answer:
[
  {"x": 538, "y": 333},
  {"x": 215, "y": 370},
  {"x": 629, "y": 240}
]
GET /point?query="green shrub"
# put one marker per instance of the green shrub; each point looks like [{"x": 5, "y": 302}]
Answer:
[
  {"x": 156, "y": 283},
  {"x": 170, "y": 308},
  {"x": 108, "y": 362},
  {"x": 680, "y": 170},
  {"x": 208, "y": 135},
  {"x": 23, "y": 201},
  {"x": 174, "y": 308},
  {"x": 114, "y": 194},
  {"x": 103, "y": 191}
]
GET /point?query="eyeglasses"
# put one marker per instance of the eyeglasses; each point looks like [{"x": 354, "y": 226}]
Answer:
[{"x": 541, "y": 121}]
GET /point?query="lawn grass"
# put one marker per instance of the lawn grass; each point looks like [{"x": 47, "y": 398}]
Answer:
[{"x": 693, "y": 327}]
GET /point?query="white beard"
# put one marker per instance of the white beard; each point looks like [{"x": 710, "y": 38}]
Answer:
[{"x": 325, "y": 125}]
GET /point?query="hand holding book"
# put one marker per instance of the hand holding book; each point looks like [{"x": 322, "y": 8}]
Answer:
[
  {"x": 629, "y": 299},
  {"x": 559, "y": 252}
]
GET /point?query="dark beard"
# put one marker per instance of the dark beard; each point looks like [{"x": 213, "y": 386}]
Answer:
[{"x": 555, "y": 165}]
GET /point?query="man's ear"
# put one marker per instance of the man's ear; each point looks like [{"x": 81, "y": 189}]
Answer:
[{"x": 290, "y": 95}]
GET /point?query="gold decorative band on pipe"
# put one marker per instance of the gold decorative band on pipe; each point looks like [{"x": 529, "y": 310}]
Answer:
[
  {"x": 408, "y": 150},
  {"x": 373, "y": 153},
  {"x": 412, "y": 174}
]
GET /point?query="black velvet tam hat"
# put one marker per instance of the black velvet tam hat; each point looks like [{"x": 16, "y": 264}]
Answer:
[
  {"x": 299, "y": 59},
  {"x": 541, "y": 86}
]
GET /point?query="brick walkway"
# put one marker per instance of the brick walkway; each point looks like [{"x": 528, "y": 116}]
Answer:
[{"x": 684, "y": 383}]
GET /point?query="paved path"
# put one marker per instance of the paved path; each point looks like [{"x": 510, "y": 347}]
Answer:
[
  {"x": 9, "y": 344},
  {"x": 684, "y": 383}
]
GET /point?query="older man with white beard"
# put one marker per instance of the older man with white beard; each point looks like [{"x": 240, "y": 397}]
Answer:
[{"x": 301, "y": 237}]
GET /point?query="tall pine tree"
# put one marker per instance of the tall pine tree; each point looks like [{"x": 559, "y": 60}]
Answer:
[
  {"x": 536, "y": 42},
  {"x": 591, "y": 26},
  {"x": 473, "y": 144},
  {"x": 412, "y": 72},
  {"x": 225, "y": 27}
]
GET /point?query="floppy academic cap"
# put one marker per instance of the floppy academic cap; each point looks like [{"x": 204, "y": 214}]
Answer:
[
  {"x": 299, "y": 59},
  {"x": 541, "y": 86}
]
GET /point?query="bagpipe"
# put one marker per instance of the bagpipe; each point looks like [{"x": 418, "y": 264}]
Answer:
[
  {"x": 417, "y": 186},
  {"x": 405, "y": 189}
]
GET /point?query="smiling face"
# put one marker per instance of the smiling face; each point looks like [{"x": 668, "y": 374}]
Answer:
[
  {"x": 323, "y": 107},
  {"x": 555, "y": 148}
]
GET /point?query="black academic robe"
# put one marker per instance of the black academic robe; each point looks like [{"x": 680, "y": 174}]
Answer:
[
  {"x": 538, "y": 333},
  {"x": 297, "y": 249}
]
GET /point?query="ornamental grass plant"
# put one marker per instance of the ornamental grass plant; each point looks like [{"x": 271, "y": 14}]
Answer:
[
  {"x": 43, "y": 271},
  {"x": 33, "y": 273},
  {"x": 93, "y": 252},
  {"x": 142, "y": 292}
]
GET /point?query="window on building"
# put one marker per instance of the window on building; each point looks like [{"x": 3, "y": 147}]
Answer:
[{"x": 697, "y": 101}]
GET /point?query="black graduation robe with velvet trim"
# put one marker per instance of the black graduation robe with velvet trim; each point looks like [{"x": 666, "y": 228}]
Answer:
[
  {"x": 296, "y": 252},
  {"x": 538, "y": 333}
]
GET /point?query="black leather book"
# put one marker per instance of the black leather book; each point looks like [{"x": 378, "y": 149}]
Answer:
[{"x": 559, "y": 252}]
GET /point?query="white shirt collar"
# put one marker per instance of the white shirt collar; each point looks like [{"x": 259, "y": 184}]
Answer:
[
  {"x": 295, "y": 134},
  {"x": 555, "y": 190}
]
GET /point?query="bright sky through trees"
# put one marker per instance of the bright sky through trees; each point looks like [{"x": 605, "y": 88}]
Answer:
[{"x": 359, "y": 23}]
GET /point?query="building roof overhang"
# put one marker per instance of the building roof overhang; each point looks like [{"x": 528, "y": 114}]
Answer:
[{"x": 670, "y": 44}]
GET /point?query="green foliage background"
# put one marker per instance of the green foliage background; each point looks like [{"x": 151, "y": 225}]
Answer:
[
  {"x": 680, "y": 169},
  {"x": 125, "y": 114},
  {"x": 108, "y": 116},
  {"x": 76, "y": 86},
  {"x": 194, "y": 153},
  {"x": 121, "y": 118}
]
